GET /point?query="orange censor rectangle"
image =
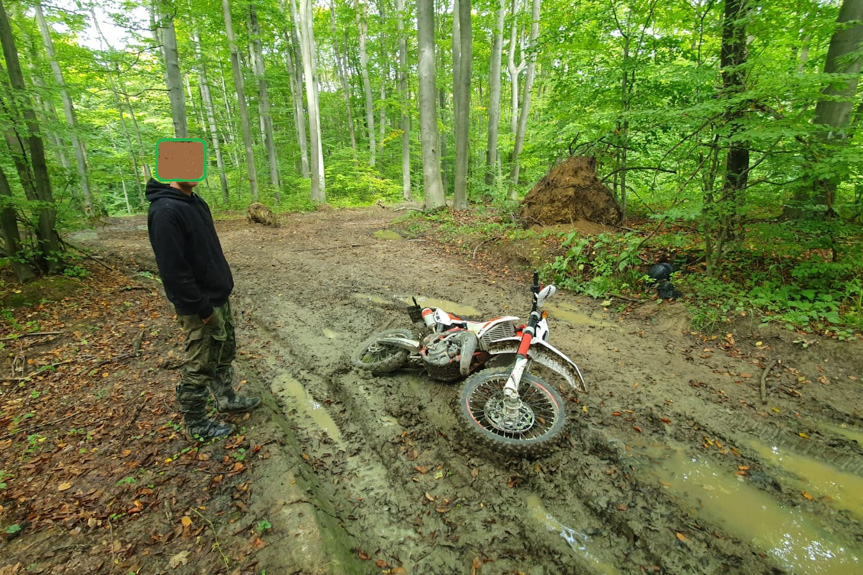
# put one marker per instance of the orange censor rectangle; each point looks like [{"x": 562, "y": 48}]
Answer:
[{"x": 181, "y": 160}]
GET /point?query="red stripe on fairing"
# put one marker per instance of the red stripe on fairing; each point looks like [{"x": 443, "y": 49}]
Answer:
[{"x": 525, "y": 344}]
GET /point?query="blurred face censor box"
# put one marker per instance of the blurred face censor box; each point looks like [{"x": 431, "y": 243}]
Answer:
[{"x": 181, "y": 160}]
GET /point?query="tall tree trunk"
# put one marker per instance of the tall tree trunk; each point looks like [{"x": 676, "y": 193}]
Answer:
[
  {"x": 57, "y": 142},
  {"x": 9, "y": 233},
  {"x": 494, "y": 94},
  {"x": 33, "y": 174},
  {"x": 363, "y": 26},
  {"x": 230, "y": 134},
  {"x": 525, "y": 104},
  {"x": 211, "y": 116},
  {"x": 241, "y": 102},
  {"x": 514, "y": 70},
  {"x": 835, "y": 108},
  {"x": 433, "y": 186},
  {"x": 264, "y": 101},
  {"x": 68, "y": 109},
  {"x": 462, "y": 120},
  {"x": 403, "y": 101},
  {"x": 732, "y": 60},
  {"x": 173, "y": 77},
  {"x": 307, "y": 42},
  {"x": 343, "y": 79},
  {"x": 295, "y": 64}
]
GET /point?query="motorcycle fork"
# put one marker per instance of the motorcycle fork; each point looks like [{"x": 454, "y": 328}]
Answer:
[{"x": 511, "y": 399}]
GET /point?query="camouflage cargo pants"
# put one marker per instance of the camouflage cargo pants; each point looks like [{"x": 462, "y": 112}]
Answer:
[{"x": 210, "y": 348}]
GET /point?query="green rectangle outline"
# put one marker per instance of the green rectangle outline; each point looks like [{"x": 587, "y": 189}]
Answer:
[{"x": 201, "y": 179}]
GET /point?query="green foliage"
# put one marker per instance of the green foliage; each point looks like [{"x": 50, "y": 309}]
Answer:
[
  {"x": 354, "y": 184},
  {"x": 598, "y": 265}
]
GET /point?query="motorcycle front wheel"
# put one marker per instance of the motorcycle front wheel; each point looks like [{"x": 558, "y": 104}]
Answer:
[
  {"x": 535, "y": 427},
  {"x": 379, "y": 358}
]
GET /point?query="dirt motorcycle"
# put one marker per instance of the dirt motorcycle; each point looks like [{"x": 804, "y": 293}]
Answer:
[{"x": 508, "y": 408}]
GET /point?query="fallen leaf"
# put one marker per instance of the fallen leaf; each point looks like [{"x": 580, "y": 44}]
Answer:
[
  {"x": 64, "y": 486},
  {"x": 636, "y": 428},
  {"x": 257, "y": 543},
  {"x": 803, "y": 435},
  {"x": 682, "y": 537},
  {"x": 429, "y": 497},
  {"x": 806, "y": 495},
  {"x": 743, "y": 467},
  {"x": 665, "y": 420},
  {"x": 381, "y": 563},
  {"x": 186, "y": 521},
  {"x": 421, "y": 468},
  {"x": 180, "y": 558}
]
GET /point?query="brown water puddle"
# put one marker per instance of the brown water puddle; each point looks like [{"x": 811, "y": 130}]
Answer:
[
  {"x": 293, "y": 392},
  {"x": 796, "y": 540},
  {"x": 815, "y": 477},
  {"x": 579, "y": 542},
  {"x": 572, "y": 315},
  {"x": 446, "y": 305},
  {"x": 843, "y": 429}
]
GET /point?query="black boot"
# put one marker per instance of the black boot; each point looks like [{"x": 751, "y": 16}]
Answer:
[
  {"x": 193, "y": 406},
  {"x": 226, "y": 399}
]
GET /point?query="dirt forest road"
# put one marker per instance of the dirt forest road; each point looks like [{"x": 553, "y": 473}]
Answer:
[{"x": 671, "y": 464}]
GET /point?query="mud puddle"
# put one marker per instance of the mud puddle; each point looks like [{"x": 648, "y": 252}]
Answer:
[
  {"x": 577, "y": 317},
  {"x": 296, "y": 396},
  {"x": 796, "y": 540},
  {"x": 842, "y": 490}
]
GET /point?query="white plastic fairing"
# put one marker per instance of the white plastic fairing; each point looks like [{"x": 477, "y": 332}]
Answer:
[
  {"x": 441, "y": 317},
  {"x": 543, "y": 295}
]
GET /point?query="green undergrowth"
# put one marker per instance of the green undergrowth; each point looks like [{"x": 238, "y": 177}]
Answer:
[{"x": 807, "y": 276}]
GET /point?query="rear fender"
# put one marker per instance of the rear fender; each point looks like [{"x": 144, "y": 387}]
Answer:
[
  {"x": 411, "y": 345},
  {"x": 544, "y": 354}
]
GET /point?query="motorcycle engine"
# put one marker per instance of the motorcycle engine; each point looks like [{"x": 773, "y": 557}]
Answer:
[{"x": 442, "y": 351}]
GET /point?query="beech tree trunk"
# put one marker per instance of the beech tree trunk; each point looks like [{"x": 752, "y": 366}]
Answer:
[
  {"x": 307, "y": 43},
  {"x": 264, "y": 101},
  {"x": 462, "y": 110},
  {"x": 494, "y": 95},
  {"x": 429, "y": 138},
  {"x": 241, "y": 102},
  {"x": 514, "y": 70},
  {"x": 173, "y": 77},
  {"x": 68, "y": 109},
  {"x": 834, "y": 110},
  {"x": 403, "y": 101},
  {"x": 525, "y": 104},
  {"x": 293, "y": 61},
  {"x": 343, "y": 79},
  {"x": 10, "y": 235},
  {"x": 363, "y": 26},
  {"x": 28, "y": 153},
  {"x": 207, "y": 98}
]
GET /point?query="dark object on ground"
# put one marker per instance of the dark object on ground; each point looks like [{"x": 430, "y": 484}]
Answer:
[
  {"x": 666, "y": 290},
  {"x": 661, "y": 271},
  {"x": 569, "y": 193},
  {"x": 261, "y": 214}
]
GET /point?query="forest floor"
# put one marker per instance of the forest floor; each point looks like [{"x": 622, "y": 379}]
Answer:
[{"x": 672, "y": 463}]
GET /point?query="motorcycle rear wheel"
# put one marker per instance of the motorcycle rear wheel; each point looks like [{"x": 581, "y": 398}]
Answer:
[
  {"x": 380, "y": 358},
  {"x": 541, "y": 417}
]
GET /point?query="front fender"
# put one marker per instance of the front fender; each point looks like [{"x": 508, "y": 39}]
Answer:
[{"x": 544, "y": 354}]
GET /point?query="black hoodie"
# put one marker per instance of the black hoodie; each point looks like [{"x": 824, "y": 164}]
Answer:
[{"x": 194, "y": 271}]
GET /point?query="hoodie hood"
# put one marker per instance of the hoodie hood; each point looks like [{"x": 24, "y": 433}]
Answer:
[{"x": 157, "y": 190}]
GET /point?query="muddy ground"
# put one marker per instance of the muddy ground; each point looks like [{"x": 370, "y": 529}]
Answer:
[{"x": 671, "y": 464}]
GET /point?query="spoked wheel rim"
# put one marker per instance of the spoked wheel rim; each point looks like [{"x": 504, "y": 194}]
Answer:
[
  {"x": 377, "y": 352},
  {"x": 536, "y": 416}
]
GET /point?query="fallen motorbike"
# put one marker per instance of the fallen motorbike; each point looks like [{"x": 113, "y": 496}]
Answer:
[{"x": 508, "y": 408}]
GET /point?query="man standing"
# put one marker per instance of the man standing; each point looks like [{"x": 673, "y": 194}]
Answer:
[{"x": 198, "y": 281}]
